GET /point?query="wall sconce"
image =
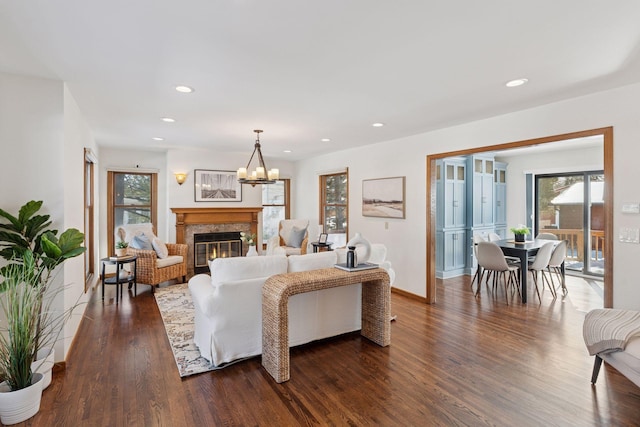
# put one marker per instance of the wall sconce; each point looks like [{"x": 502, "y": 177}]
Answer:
[{"x": 180, "y": 178}]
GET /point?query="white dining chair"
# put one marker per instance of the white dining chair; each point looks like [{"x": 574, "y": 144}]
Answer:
[
  {"x": 491, "y": 259},
  {"x": 539, "y": 265},
  {"x": 477, "y": 238},
  {"x": 555, "y": 265},
  {"x": 494, "y": 237}
]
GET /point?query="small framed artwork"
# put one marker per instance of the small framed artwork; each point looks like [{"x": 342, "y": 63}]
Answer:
[
  {"x": 383, "y": 197},
  {"x": 217, "y": 186},
  {"x": 323, "y": 238}
]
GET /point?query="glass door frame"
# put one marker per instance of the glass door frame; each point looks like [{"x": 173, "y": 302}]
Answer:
[{"x": 587, "y": 242}]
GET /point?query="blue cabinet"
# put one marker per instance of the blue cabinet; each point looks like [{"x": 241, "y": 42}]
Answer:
[
  {"x": 451, "y": 219},
  {"x": 471, "y": 199},
  {"x": 500, "y": 192},
  {"x": 481, "y": 196}
]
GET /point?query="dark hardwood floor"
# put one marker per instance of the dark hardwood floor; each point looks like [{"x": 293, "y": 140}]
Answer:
[{"x": 462, "y": 361}]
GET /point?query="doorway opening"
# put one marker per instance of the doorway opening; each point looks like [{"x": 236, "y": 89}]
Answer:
[{"x": 607, "y": 172}]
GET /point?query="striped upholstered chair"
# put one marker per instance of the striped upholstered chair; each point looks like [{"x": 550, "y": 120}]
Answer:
[{"x": 151, "y": 269}]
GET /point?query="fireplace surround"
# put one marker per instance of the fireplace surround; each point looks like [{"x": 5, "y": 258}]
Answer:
[{"x": 190, "y": 221}]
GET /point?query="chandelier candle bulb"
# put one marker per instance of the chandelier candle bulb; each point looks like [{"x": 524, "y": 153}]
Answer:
[
  {"x": 260, "y": 172},
  {"x": 242, "y": 173}
]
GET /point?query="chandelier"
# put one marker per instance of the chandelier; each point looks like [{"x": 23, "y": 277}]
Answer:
[{"x": 260, "y": 175}]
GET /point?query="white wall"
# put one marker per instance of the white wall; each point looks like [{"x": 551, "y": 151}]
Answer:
[
  {"x": 406, "y": 238},
  {"x": 77, "y": 137},
  {"x": 186, "y": 161},
  {"x": 42, "y": 159}
]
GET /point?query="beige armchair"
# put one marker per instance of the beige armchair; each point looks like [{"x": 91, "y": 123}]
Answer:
[{"x": 151, "y": 269}]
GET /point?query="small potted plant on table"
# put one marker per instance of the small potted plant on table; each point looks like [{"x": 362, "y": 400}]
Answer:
[
  {"x": 520, "y": 233},
  {"x": 121, "y": 248}
]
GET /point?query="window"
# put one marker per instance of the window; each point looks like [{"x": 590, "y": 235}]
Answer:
[
  {"x": 334, "y": 203},
  {"x": 89, "y": 241},
  {"x": 132, "y": 199},
  {"x": 275, "y": 207}
]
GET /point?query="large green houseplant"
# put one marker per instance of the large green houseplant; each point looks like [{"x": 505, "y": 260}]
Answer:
[{"x": 26, "y": 239}]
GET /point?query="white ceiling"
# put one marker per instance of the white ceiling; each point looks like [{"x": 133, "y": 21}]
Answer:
[{"x": 305, "y": 70}]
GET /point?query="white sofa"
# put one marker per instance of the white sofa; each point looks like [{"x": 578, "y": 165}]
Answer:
[{"x": 228, "y": 305}]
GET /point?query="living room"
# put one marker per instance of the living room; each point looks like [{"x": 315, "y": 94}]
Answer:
[{"x": 44, "y": 131}]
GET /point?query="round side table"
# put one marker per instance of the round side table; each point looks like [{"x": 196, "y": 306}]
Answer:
[{"x": 117, "y": 280}]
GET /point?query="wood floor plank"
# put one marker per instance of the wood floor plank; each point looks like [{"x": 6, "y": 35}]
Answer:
[{"x": 463, "y": 361}]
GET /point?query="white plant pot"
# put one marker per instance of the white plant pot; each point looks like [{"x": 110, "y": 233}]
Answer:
[
  {"x": 20, "y": 405},
  {"x": 252, "y": 251},
  {"x": 44, "y": 364}
]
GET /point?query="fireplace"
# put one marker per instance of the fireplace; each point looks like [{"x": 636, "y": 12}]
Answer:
[
  {"x": 209, "y": 246},
  {"x": 193, "y": 221}
]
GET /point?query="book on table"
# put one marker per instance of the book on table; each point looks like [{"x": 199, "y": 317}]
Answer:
[
  {"x": 361, "y": 266},
  {"x": 120, "y": 258}
]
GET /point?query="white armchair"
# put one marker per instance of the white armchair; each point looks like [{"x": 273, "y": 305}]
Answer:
[{"x": 294, "y": 237}]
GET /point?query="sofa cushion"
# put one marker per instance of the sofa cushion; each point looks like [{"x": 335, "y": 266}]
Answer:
[
  {"x": 296, "y": 236},
  {"x": 161, "y": 249},
  {"x": 142, "y": 242},
  {"x": 170, "y": 260},
  {"x": 243, "y": 268},
  {"x": 311, "y": 261}
]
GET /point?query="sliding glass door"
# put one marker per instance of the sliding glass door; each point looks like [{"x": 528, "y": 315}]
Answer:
[{"x": 571, "y": 207}]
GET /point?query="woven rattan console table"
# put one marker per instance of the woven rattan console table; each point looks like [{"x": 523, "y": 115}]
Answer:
[{"x": 376, "y": 309}]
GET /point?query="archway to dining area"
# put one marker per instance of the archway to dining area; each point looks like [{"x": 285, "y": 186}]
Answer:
[{"x": 605, "y": 248}]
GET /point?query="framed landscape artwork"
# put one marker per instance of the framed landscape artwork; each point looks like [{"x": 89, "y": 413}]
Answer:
[
  {"x": 383, "y": 197},
  {"x": 217, "y": 186}
]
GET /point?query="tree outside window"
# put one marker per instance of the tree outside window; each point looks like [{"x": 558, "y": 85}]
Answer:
[{"x": 334, "y": 206}]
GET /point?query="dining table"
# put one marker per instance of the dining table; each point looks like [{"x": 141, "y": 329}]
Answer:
[{"x": 523, "y": 250}]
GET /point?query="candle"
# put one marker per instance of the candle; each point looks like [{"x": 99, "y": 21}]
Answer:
[
  {"x": 260, "y": 172},
  {"x": 242, "y": 173},
  {"x": 274, "y": 173},
  {"x": 254, "y": 175}
]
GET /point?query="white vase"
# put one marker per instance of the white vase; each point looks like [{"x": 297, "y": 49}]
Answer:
[
  {"x": 360, "y": 242},
  {"x": 20, "y": 405},
  {"x": 44, "y": 364},
  {"x": 252, "y": 251}
]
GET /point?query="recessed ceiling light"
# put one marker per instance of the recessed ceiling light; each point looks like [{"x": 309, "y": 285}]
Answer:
[
  {"x": 377, "y": 125},
  {"x": 516, "y": 82},
  {"x": 168, "y": 119},
  {"x": 286, "y": 151},
  {"x": 184, "y": 89},
  {"x": 325, "y": 140},
  {"x": 157, "y": 138}
]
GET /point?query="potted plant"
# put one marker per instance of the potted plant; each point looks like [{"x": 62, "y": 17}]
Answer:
[
  {"x": 121, "y": 248},
  {"x": 21, "y": 390},
  {"x": 520, "y": 232},
  {"x": 26, "y": 239}
]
